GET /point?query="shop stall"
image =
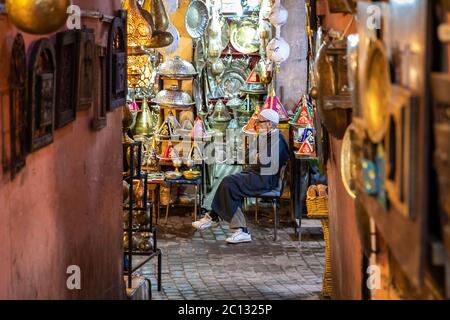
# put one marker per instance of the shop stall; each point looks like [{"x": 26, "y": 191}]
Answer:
[{"x": 196, "y": 92}]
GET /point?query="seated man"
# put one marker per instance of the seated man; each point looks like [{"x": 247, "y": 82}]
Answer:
[{"x": 227, "y": 203}]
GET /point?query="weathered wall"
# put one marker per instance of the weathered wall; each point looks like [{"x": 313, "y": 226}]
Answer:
[
  {"x": 64, "y": 208},
  {"x": 346, "y": 252},
  {"x": 291, "y": 80}
]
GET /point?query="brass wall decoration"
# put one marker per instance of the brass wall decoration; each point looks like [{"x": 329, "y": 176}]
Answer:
[
  {"x": 349, "y": 158},
  {"x": 331, "y": 75},
  {"x": 117, "y": 63},
  {"x": 67, "y": 44},
  {"x": 18, "y": 105},
  {"x": 100, "y": 118},
  {"x": 86, "y": 79},
  {"x": 376, "y": 97},
  {"x": 42, "y": 85}
]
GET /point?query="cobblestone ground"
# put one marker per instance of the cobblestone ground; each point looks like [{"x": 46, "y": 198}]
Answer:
[{"x": 200, "y": 265}]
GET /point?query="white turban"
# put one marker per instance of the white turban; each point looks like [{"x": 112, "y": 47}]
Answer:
[{"x": 271, "y": 115}]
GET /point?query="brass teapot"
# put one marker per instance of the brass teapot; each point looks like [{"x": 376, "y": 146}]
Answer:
[{"x": 38, "y": 17}]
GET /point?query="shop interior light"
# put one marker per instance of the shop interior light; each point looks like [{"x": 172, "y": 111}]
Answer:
[{"x": 138, "y": 29}]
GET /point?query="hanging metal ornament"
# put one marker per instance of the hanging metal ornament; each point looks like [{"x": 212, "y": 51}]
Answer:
[
  {"x": 278, "y": 50},
  {"x": 279, "y": 15},
  {"x": 139, "y": 31},
  {"x": 38, "y": 17},
  {"x": 158, "y": 11},
  {"x": 160, "y": 38}
]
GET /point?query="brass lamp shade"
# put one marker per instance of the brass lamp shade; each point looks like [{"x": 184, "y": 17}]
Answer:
[
  {"x": 38, "y": 17},
  {"x": 161, "y": 39},
  {"x": 377, "y": 93},
  {"x": 139, "y": 31}
]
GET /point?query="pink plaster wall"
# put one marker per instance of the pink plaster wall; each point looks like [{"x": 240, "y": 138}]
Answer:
[
  {"x": 346, "y": 252},
  {"x": 64, "y": 208}
]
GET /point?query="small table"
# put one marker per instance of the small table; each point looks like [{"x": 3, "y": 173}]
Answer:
[{"x": 198, "y": 193}]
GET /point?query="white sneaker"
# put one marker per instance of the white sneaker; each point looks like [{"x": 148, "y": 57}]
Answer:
[
  {"x": 239, "y": 237},
  {"x": 205, "y": 223}
]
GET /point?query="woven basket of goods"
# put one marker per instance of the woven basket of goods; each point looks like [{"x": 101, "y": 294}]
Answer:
[{"x": 317, "y": 202}]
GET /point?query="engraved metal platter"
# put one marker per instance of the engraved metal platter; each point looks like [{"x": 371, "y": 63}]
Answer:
[
  {"x": 244, "y": 36},
  {"x": 196, "y": 19},
  {"x": 234, "y": 77}
]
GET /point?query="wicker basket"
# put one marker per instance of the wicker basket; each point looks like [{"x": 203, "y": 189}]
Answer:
[
  {"x": 317, "y": 202},
  {"x": 327, "y": 289},
  {"x": 317, "y": 208}
]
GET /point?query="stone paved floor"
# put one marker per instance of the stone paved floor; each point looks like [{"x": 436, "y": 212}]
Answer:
[{"x": 201, "y": 266}]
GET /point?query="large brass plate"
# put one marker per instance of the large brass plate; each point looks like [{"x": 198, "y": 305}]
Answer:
[
  {"x": 244, "y": 36},
  {"x": 377, "y": 94}
]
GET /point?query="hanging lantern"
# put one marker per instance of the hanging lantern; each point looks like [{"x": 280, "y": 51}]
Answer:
[
  {"x": 279, "y": 15},
  {"x": 304, "y": 116},
  {"x": 278, "y": 50},
  {"x": 38, "y": 17},
  {"x": 139, "y": 71},
  {"x": 275, "y": 104},
  {"x": 252, "y": 126},
  {"x": 139, "y": 32}
]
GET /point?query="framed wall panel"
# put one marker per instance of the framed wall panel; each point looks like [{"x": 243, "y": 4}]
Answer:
[
  {"x": 117, "y": 62},
  {"x": 86, "y": 75},
  {"x": 42, "y": 90},
  {"x": 100, "y": 117},
  {"x": 67, "y": 46},
  {"x": 18, "y": 105}
]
